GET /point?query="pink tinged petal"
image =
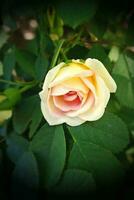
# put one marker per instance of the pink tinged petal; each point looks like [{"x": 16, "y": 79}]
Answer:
[
  {"x": 52, "y": 118},
  {"x": 66, "y": 106},
  {"x": 52, "y": 108},
  {"x": 70, "y": 96},
  {"x": 60, "y": 103},
  {"x": 81, "y": 96},
  {"x": 88, "y": 104},
  {"x": 75, "y": 104},
  {"x": 59, "y": 90},
  {"x": 97, "y": 110},
  {"x": 48, "y": 114},
  {"x": 99, "y": 69}
]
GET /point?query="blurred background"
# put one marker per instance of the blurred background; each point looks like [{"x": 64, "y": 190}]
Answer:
[{"x": 31, "y": 33}]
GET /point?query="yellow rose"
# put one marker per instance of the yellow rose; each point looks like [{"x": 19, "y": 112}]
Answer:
[{"x": 76, "y": 92}]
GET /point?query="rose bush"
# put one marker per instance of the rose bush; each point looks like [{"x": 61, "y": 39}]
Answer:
[{"x": 76, "y": 92}]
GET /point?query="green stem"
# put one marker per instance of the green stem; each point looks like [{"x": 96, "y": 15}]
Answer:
[
  {"x": 9, "y": 82},
  {"x": 27, "y": 87},
  {"x": 16, "y": 83},
  {"x": 64, "y": 56},
  {"x": 56, "y": 54}
]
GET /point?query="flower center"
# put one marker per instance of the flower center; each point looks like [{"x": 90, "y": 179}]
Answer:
[
  {"x": 70, "y": 101},
  {"x": 70, "y": 96}
]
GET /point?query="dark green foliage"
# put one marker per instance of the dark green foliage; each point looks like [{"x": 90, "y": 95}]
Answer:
[{"x": 59, "y": 160}]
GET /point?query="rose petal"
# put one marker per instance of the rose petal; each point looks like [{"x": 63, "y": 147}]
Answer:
[
  {"x": 59, "y": 90},
  {"x": 66, "y": 105},
  {"x": 91, "y": 85},
  {"x": 99, "y": 68},
  {"x": 54, "y": 119},
  {"x": 68, "y": 97},
  {"x": 86, "y": 106},
  {"x": 73, "y": 84},
  {"x": 76, "y": 84},
  {"x": 103, "y": 96},
  {"x": 74, "y": 121},
  {"x": 51, "y": 75},
  {"x": 50, "y": 117},
  {"x": 70, "y": 71}
]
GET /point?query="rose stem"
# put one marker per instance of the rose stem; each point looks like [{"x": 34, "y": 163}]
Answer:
[{"x": 56, "y": 54}]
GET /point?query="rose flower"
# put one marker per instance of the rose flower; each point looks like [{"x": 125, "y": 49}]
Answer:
[{"x": 76, "y": 92}]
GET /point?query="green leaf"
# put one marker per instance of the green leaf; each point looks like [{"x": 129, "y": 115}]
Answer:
[
  {"x": 125, "y": 92},
  {"x": 26, "y": 61},
  {"x": 127, "y": 114},
  {"x": 16, "y": 147},
  {"x": 26, "y": 171},
  {"x": 113, "y": 105},
  {"x": 8, "y": 64},
  {"x": 50, "y": 150},
  {"x": 103, "y": 165},
  {"x": 75, "y": 181},
  {"x": 109, "y": 132},
  {"x": 78, "y": 52},
  {"x": 41, "y": 66},
  {"x": 36, "y": 118},
  {"x": 130, "y": 62},
  {"x": 3, "y": 38},
  {"x": 1, "y": 68},
  {"x": 115, "y": 36},
  {"x": 121, "y": 67},
  {"x": 123, "y": 74},
  {"x": 9, "y": 21},
  {"x": 2, "y": 178},
  {"x": 25, "y": 112},
  {"x": 13, "y": 95},
  {"x": 32, "y": 46},
  {"x": 130, "y": 31},
  {"x": 76, "y": 12},
  {"x": 5, "y": 105},
  {"x": 97, "y": 26},
  {"x": 94, "y": 145},
  {"x": 1, "y": 158}
]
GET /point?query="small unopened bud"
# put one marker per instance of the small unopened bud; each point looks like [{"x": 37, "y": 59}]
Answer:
[
  {"x": 33, "y": 23},
  {"x": 28, "y": 35}
]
